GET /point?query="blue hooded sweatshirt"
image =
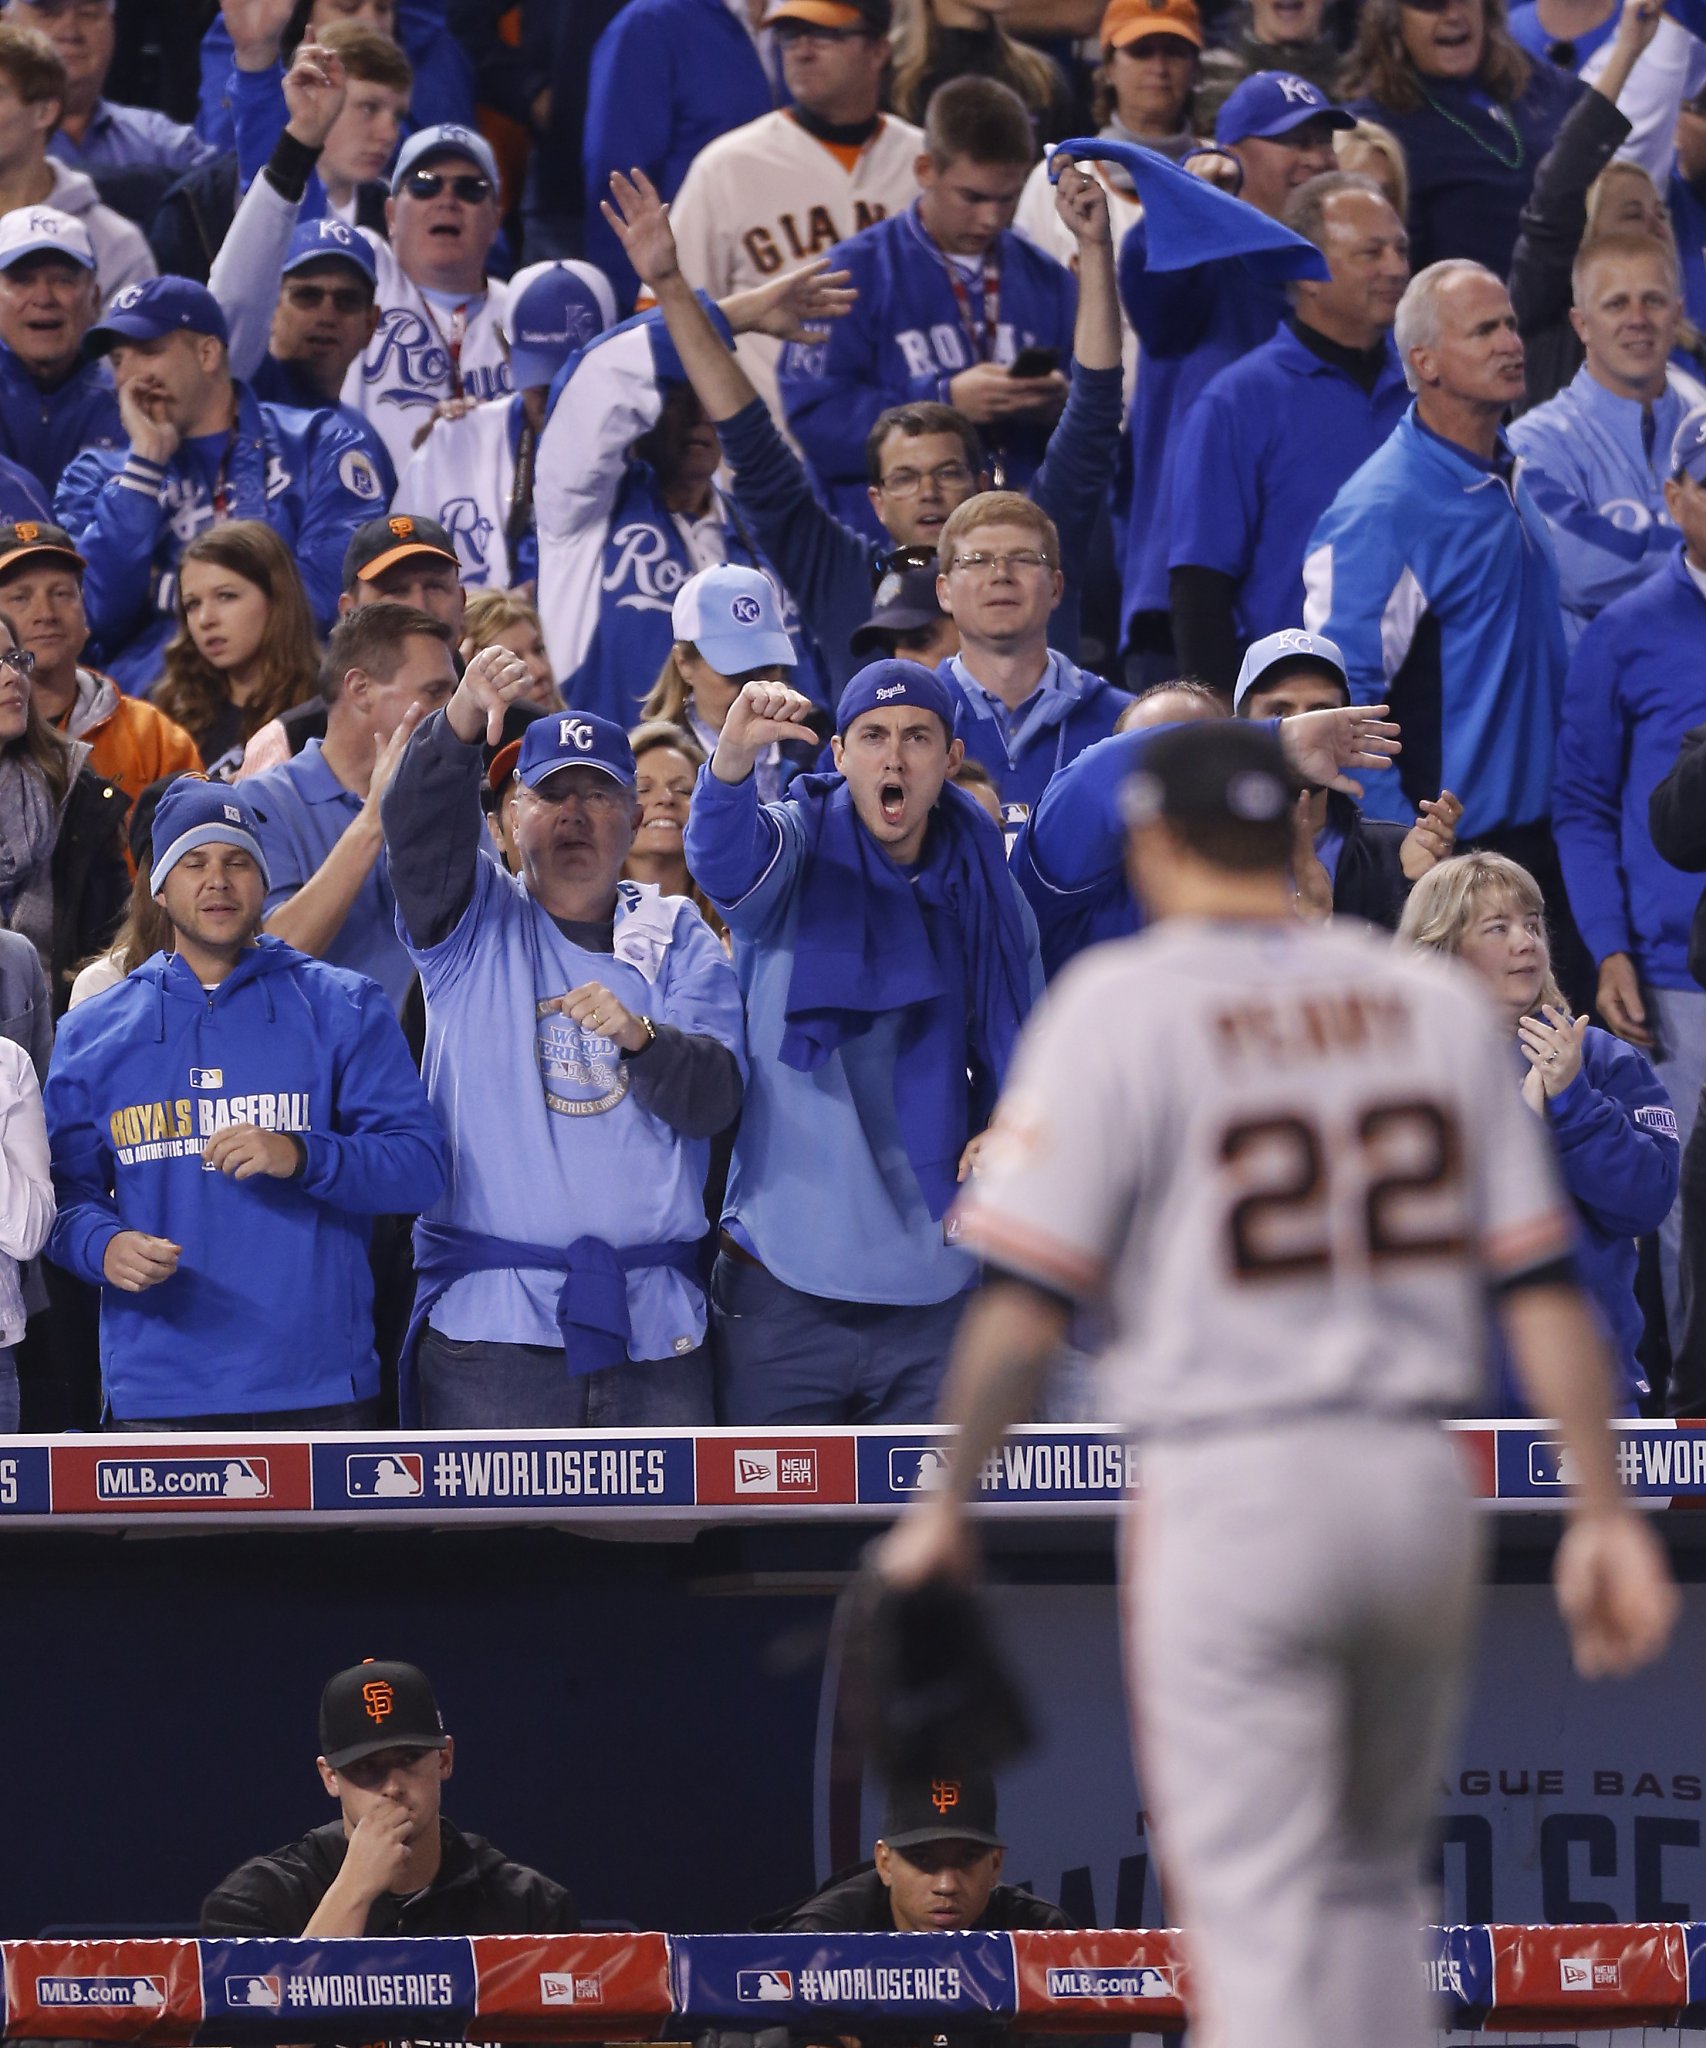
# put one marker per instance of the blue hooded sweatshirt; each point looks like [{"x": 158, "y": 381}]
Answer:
[{"x": 271, "y": 1307}]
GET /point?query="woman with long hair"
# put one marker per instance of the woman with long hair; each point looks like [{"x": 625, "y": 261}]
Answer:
[
  {"x": 1472, "y": 111},
  {"x": 935, "y": 40},
  {"x": 62, "y": 872},
  {"x": 245, "y": 647},
  {"x": 1612, "y": 1125}
]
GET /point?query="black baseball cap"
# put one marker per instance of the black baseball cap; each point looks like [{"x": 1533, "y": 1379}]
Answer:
[
  {"x": 28, "y": 537},
  {"x": 906, "y": 600},
  {"x": 873, "y": 16},
  {"x": 374, "y": 1706},
  {"x": 1223, "y": 768},
  {"x": 941, "y": 1809},
  {"x": 382, "y": 543}
]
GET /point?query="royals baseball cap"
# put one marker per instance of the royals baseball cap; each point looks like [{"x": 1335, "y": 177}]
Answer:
[
  {"x": 328, "y": 241},
  {"x": 873, "y": 16},
  {"x": 1222, "y": 768},
  {"x": 1291, "y": 647},
  {"x": 554, "y": 309},
  {"x": 941, "y": 1809},
  {"x": 448, "y": 138},
  {"x": 39, "y": 230},
  {"x": 1131, "y": 21},
  {"x": 884, "y": 684},
  {"x": 29, "y": 538},
  {"x": 1271, "y": 103},
  {"x": 195, "y": 812},
  {"x": 732, "y": 616},
  {"x": 905, "y": 602},
  {"x": 158, "y": 306},
  {"x": 1688, "y": 446},
  {"x": 374, "y": 1706},
  {"x": 574, "y": 739},
  {"x": 381, "y": 544}
]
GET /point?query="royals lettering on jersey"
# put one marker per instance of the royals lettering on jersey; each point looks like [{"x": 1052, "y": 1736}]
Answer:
[
  {"x": 463, "y": 475},
  {"x": 179, "y": 1128}
]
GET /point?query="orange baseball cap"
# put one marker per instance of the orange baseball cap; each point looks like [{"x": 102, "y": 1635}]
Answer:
[{"x": 1129, "y": 21}]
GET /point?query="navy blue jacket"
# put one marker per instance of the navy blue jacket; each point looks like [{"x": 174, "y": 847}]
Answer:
[
  {"x": 830, "y": 569},
  {"x": 271, "y": 1307},
  {"x": 1636, "y": 684},
  {"x": 42, "y": 431}
]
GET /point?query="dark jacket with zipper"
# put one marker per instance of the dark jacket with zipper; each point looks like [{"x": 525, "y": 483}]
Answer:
[
  {"x": 1370, "y": 881},
  {"x": 477, "y": 1891},
  {"x": 91, "y": 884}
]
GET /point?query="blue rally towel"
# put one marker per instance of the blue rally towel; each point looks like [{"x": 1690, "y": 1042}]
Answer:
[
  {"x": 946, "y": 946},
  {"x": 1189, "y": 222}
]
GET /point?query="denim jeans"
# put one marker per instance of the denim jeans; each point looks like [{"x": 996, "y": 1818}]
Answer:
[
  {"x": 340, "y": 1415},
  {"x": 787, "y": 1357},
  {"x": 1678, "y": 1016},
  {"x": 472, "y": 1384}
]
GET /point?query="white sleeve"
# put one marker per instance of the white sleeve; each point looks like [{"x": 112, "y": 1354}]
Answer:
[
  {"x": 612, "y": 398},
  {"x": 247, "y": 271},
  {"x": 702, "y": 251},
  {"x": 1664, "y": 74},
  {"x": 1038, "y": 219},
  {"x": 26, "y": 1180}
]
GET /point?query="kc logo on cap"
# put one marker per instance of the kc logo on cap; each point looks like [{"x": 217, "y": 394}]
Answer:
[
  {"x": 377, "y": 1698},
  {"x": 1299, "y": 91},
  {"x": 574, "y": 732},
  {"x": 944, "y": 1794},
  {"x": 745, "y": 611},
  {"x": 123, "y": 301}
]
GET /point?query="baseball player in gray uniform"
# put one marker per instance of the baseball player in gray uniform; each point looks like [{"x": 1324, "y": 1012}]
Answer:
[{"x": 1288, "y": 1164}]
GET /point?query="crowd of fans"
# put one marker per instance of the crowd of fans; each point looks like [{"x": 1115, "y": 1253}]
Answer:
[{"x": 579, "y": 588}]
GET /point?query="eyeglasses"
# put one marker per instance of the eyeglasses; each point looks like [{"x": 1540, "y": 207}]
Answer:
[
  {"x": 907, "y": 483},
  {"x": 603, "y": 795},
  {"x": 471, "y": 190},
  {"x": 345, "y": 298},
  {"x": 20, "y": 661},
  {"x": 977, "y": 563}
]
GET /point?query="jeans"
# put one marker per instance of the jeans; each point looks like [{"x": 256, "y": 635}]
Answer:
[
  {"x": 1678, "y": 1019},
  {"x": 8, "y": 1392},
  {"x": 340, "y": 1415},
  {"x": 473, "y": 1384},
  {"x": 787, "y": 1357}
]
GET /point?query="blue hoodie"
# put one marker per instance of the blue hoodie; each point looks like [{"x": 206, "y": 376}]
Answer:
[
  {"x": 1637, "y": 683},
  {"x": 271, "y": 1307},
  {"x": 1070, "y": 709},
  {"x": 42, "y": 430}
]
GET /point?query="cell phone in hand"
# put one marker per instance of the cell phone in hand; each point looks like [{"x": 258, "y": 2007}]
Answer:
[{"x": 1034, "y": 362}]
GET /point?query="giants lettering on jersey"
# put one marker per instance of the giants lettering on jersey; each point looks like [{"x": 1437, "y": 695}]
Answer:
[
  {"x": 407, "y": 364},
  {"x": 818, "y": 233}
]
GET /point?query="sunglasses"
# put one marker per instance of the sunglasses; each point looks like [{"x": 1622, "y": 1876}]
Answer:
[
  {"x": 471, "y": 190},
  {"x": 345, "y": 298},
  {"x": 915, "y": 555}
]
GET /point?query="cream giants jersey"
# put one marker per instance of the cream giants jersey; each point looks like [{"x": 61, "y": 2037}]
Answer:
[
  {"x": 768, "y": 197},
  {"x": 1289, "y": 1162}
]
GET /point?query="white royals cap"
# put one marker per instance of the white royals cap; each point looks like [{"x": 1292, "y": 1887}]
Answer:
[
  {"x": 32, "y": 230},
  {"x": 731, "y": 615},
  {"x": 1292, "y": 644}
]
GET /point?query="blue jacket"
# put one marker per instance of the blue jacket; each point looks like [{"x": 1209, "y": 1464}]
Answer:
[
  {"x": 444, "y": 73},
  {"x": 1190, "y": 324},
  {"x": 1070, "y": 710},
  {"x": 1615, "y": 1135},
  {"x": 1602, "y": 491},
  {"x": 1258, "y": 460},
  {"x": 1637, "y": 683},
  {"x": 904, "y": 342},
  {"x": 43, "y": 431},
  {"x": 1436, "y": 577},
  {"x": 272, "y": 1303},
  {"x": 21, "y": 496},
  {"x": 667, "y": 77},
  {"x": 1688, "y": 224},
  {"x": 307, "y": 474},
  {"x": 830, "y": 569}
]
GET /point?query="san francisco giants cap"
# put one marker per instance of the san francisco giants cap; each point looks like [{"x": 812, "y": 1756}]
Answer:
[
  {"x": 873, "y": 16},
  {"x": 29, "y": 538},
  {"x": 941, "y": 1809},
  {"x": 374, "y": 1706},
  {"x": 382, "y": 543}
]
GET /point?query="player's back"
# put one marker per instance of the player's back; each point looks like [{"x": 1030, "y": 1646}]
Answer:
[{"x": 1291, "y": 1159}]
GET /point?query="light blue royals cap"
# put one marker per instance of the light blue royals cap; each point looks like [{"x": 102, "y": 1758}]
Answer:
[
  {"x": 1293, "y": 644},
  {"x": 732, "y": 616},
  {"x": 195, "y": 812},
  {"x": 328, "y": 241},
  {"x": 448, "y": 138},
  {"x": 1688, "y": 447},
  {"x": 44, "y": 230}
]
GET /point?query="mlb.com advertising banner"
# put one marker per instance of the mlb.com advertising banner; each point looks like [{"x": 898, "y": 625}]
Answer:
[
  {"x": 589, "y": 1987},
  {"x": 701, "y": 1477}
]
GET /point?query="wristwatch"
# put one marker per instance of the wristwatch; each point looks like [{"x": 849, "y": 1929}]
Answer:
[{"x": 651, "y": 1032}]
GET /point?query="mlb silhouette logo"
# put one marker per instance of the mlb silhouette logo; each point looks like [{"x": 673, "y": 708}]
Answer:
[
  {"x": 918, "y": 1471},
  {"x": 764, "y": 1987},
  {"x": 265, "y": 1991},
  {"x": 387, "y": 1475}
]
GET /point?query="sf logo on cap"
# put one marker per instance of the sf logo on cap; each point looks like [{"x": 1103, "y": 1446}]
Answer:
[
  {"x": 944, "y": 1794},
  {"x": 26, "y": 529},
  {"x": 401, "y": 528},
  {"x": 574, "y": 732},
  {"x": 744, "y": 611},
  {"x": 378, "y": 1698}
]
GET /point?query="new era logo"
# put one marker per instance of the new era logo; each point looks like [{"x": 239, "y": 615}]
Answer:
[
  {"x": 764, "y": 1987},
  {"x": 776, "y": 1471},
  {"x": 562, "y": 1987},
  {"x": 1583, "y": 1973}
]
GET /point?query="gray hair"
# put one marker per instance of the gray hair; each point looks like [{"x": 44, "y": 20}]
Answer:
[{"x": 1418, "y": 321}]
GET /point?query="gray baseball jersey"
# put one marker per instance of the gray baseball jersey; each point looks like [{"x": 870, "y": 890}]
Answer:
[{"x": 1290, "y": 1160}]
